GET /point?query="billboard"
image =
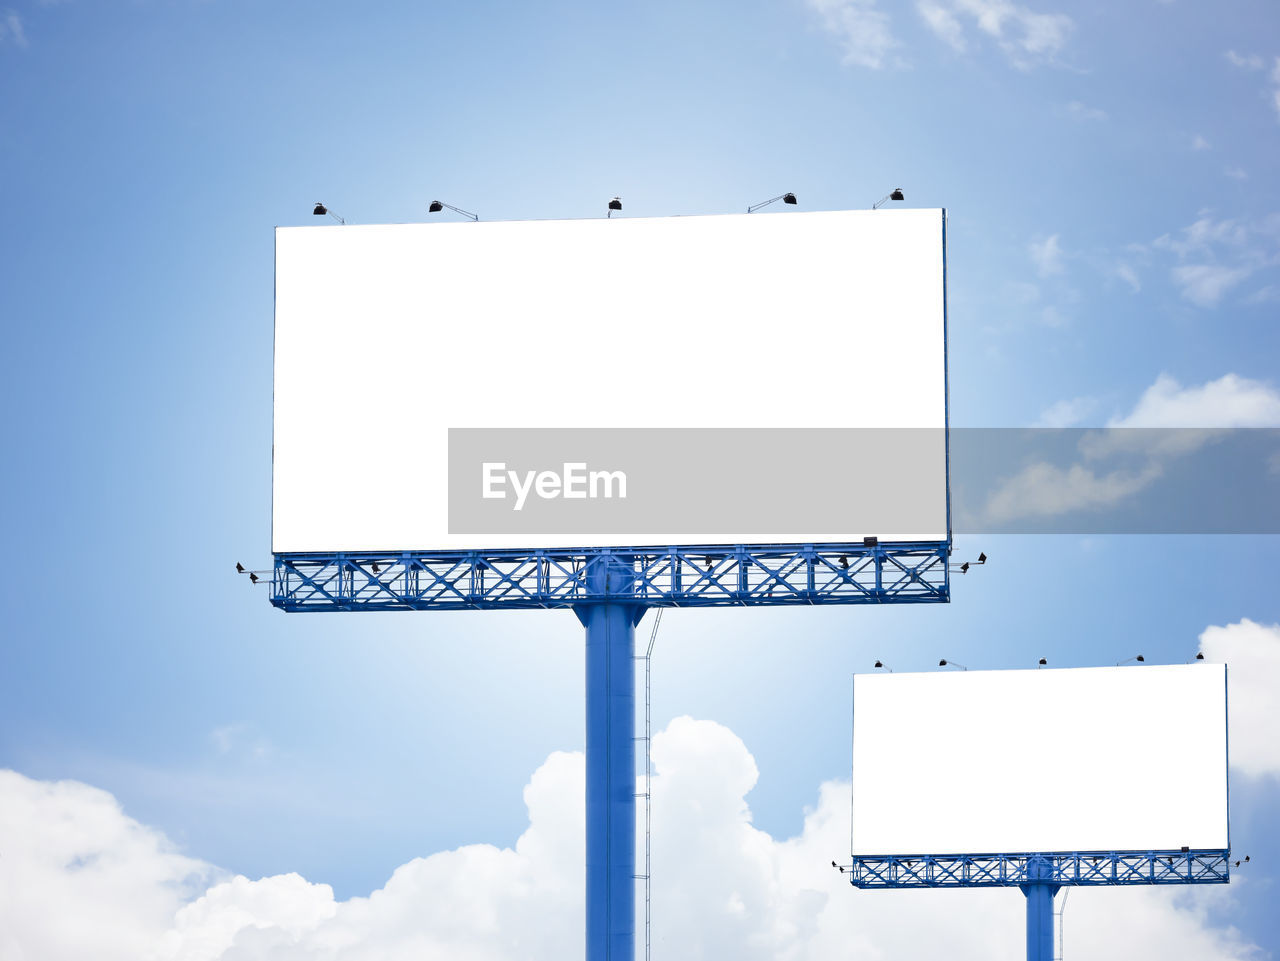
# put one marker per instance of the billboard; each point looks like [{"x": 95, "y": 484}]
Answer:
[
  {"x": 593, "y": 383},
  {"x": 1016, "y": 762}
]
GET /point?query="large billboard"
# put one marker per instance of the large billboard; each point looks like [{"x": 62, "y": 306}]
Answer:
[
  {"x": 593, "y": 383},
  {"x": 1015, "y": 762}
]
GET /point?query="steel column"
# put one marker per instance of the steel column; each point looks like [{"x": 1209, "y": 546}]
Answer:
[
  {"x": 1039, "y": 894},
  {"x": 611, "y": 758}
]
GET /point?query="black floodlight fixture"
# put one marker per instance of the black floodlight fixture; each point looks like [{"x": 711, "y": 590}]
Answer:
[
  {"x": 239, "y": 568},
  {"x": 833, "y": 864},
  {"x": 982, "y": 558},
  {"x": 1186, "y": 850},
  {"x": 895, "y": 194},
  {"x": 1043, "y": 662},
  {"x": 375, "y": 567},
  {"x": 1199, "y": 655},
  {"x": 438, "y": 205},
  {"x": 884, "y": 667},
  {"x": 945, "y": 663},
  {"x": 253, "y": 578},
  {"x": 844, "y": 563},
  {"x": 1139, "y": 658},
  {"x": 787, "y": 198},
  {"x": 871, "y": 542},
  {"x": 614, "y": 204},
  {"x": 964, "y": 568},
  {"x": 320, "y": 210}
]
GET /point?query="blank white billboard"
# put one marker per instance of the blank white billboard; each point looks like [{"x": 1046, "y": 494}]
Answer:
[
  {"x": 1016, "y": 762},
  {"x": 397, "y": 344}
]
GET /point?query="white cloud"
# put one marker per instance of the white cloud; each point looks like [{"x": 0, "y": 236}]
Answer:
[
  {"x": 1026, "y": 37},
  {"x": 1245, "y": 61},
  {"x": 944, "y": 24},
  {"x": 1199, "y": 143},
  {"x": 79, "y": 879},
  {"x": 1205, "y": 284},
  {"x": 724, "y": 890},
  {"x": 1067, "y": 413},
  {"x": 1229, "y": 401},
  {"x": 1275, "y": 79},
  {"x": 1235, "y": 173},
  {"x": 11, "y": 29},
  {"x": 1216, "y": 256},
  {"x": 1251, "y": 652},
  {"x": 1079, "y": 111},
  {"x": 1129, "y": 276},
  {"x": 861, "y": 27},
  {"x": 1202, "y": 412},
  {"x": 1046, "y": 490},
  {"x": 1047, "y": 256}
]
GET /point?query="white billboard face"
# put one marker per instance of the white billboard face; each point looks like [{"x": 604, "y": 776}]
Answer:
[
  {"x": 1017, "y": 762},
  {"x": 765, "y": 378}
]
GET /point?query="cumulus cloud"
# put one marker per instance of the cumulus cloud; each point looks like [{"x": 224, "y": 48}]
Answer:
[
  {"x": 861, "y": 27},
  {"x": 1251, "y": 652},
  {"x": 1025, "y": 36},
  {"x": 1188, "y": 417},
  {"x": 1199, "y": 143},
  {"x": 724, "y": 890},
  {"x": 79, "y": 879},
  {"x": 1229, "y": 401}
]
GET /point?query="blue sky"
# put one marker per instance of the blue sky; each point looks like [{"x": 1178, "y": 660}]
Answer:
[{"x": 1110, "y": 171}]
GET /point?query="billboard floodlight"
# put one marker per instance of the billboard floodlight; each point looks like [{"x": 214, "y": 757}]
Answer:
[
  {"x": 884, "y": 667},
  {"x": 320, "y": 210},
  {"x": 895, "y": 194},
  {"x": 945, "y": 663},
  {"x": 787, "y": 198},
  {"x": 614, "y": 204},
  {"x": 1139, "y": 658},
  {"x": 438, "y": 205},
  {"x": 1043, "y": 662}
]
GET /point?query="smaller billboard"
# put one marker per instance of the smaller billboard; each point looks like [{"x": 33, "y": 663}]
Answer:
[{"x": 1017, "y": 762}]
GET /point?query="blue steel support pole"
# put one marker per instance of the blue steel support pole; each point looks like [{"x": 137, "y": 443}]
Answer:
[
  {"x": 1039, "y": 892},
  {"x": 611, "y": 759}
]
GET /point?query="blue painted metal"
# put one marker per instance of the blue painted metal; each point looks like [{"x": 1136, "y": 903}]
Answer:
[
  {"x": 774, "y": 575},
  {"x": 1014, "y": 870},
  {"x": 611, "y": 760},
  {"x": 1039, "y": 890}
]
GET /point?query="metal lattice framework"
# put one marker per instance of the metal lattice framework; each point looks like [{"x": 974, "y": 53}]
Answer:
[
  {"x": 689, "y": 576},
  {"x": 1013, "y": 870}
]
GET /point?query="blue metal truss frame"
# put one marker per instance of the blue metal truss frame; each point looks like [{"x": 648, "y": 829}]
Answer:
[
  {"x": 1085, "y": 868},
  {"x": 684, "y": 576}
]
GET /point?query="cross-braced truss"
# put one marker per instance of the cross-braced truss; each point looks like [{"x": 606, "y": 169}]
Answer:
[
  {"x": 1011, "y": 870},
  {"x": 690, "y": 576}
]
